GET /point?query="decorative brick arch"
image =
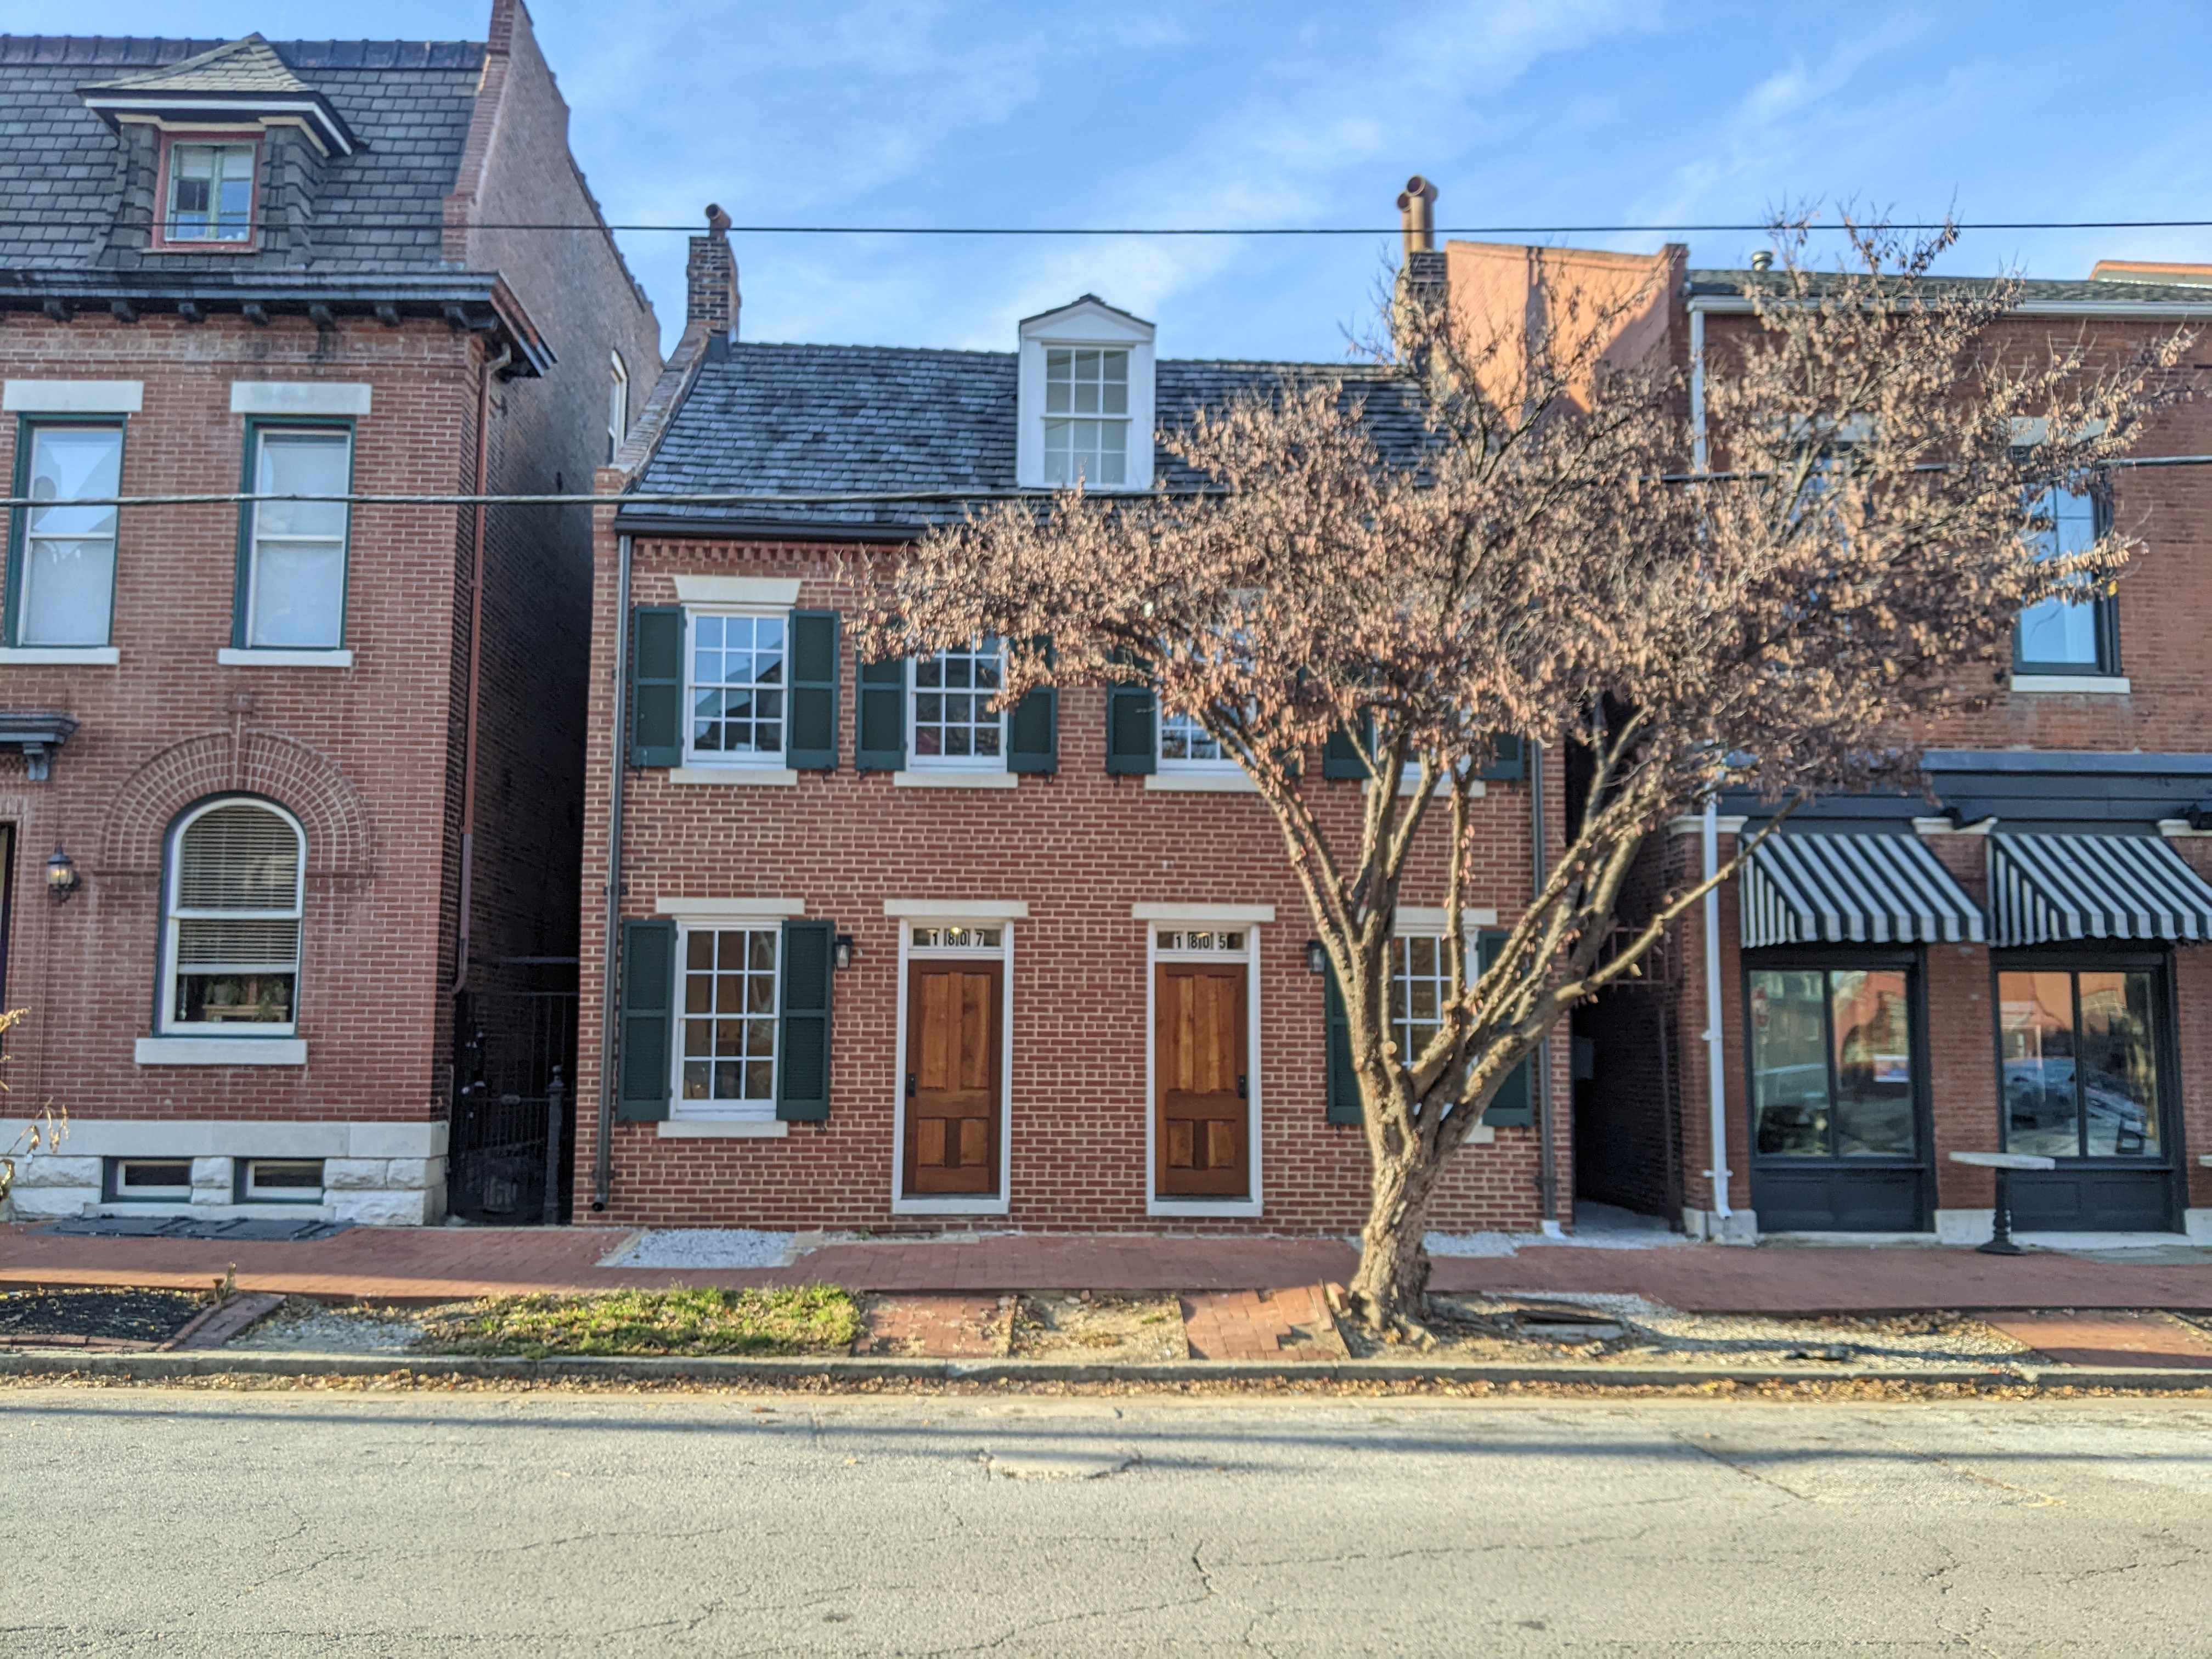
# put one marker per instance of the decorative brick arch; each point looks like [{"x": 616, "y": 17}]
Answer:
[{"x": 341, "y": 842}]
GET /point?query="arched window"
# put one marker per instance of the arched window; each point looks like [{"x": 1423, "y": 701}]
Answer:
[{"x": 236, "y": 887}]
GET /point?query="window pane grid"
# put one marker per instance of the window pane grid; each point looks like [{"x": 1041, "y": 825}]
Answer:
[
  {"x": 953, "y": 720},
  {"x": 1086, "y": 430},
  {"x": 1183, "y": 738},
  {"x": 297, "y": 594},
  {"x": 739, "y": 667},
  {"x": 210, "y": 193},
  {"x": 730, "y": 1016},
  {"x": 1420, "y": 986},
  {"x": 234, "y": 917}
]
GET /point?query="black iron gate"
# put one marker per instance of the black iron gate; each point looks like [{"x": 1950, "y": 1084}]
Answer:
[{"x": 513, "y": 1135}]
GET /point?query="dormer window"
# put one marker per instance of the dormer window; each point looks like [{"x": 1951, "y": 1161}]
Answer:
[
  {"x": 1086, "y": 426},
  {"x": 1085, "y": 386},
  {"x": 209, "y": 192}
]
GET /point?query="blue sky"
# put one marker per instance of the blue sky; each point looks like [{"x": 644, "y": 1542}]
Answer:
[{"x": 1277, "y": 112}]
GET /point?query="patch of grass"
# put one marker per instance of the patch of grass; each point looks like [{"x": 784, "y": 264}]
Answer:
[{"x": 682, "y": 1320}]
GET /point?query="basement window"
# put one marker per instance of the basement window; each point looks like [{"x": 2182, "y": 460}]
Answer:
[
  {"x": 150, "y": 1180},
  {"x": 282, "y": 1180}
]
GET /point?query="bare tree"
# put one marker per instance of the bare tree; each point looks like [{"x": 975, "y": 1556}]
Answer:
[
  {"x": 1548, "y": 565},
  {"x": 42, "y": 1134}
]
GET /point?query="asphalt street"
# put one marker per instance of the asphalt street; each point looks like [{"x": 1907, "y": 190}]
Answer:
[{"x": 184, "y": 1522}]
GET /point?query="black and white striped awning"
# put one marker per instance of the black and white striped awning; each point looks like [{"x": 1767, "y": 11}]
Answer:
[
  {"x": 2047, "y": 889},
  {"x": 1853, "y": 889}
]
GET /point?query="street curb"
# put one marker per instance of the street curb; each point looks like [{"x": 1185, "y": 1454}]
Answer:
[{"x": 732, "y": 1372}]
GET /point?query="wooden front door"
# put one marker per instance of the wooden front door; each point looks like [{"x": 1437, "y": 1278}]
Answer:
[
  {"x": 952, "y": 1043},
  {"x": 1202, "y": 1134}
]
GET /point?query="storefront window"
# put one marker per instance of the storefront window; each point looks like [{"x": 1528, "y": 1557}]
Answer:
[
  {"x": 2080, "y": 1063},
  {"x": 1832, "y": 1063}
]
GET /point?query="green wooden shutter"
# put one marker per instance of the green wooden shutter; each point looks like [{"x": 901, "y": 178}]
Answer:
[
  {"x": 648, "y": 1019},
  {"x": 656, "y": 685},
  {"x": 810, "y": 719},
  {"x": 1130, "y": 743},
  {"x": 1343, "y": 1087},
  {"x": 1509, "y": 759},
  {"x": 1512, "y": 1103},
  {"x": 881, "y": 745},
  {"x": 1342, "y": 757},
  {"x": 802, "y": 1093},
  {"x": 1033, "y": 733}
]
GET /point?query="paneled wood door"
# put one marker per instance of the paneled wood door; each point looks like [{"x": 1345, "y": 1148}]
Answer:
[
  {"x": 952, "y": 1046},
  {"x": 1202, "y": 1136}
]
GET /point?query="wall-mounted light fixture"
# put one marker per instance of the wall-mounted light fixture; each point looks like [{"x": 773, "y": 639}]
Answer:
[
  {"x": 840, "y": 952},
  {"x": 1316, "y": 957},
  {"x": 62, "y": 879}
]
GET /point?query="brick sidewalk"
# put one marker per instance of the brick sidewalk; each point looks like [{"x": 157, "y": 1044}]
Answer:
[{"x": 442, "y": 1263}]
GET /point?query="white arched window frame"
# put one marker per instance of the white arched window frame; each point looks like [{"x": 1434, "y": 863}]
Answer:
[{"x": 233, "y": 907}]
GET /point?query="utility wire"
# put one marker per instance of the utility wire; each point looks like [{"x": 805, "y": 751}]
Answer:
[
  {"x": 844, "y": 498},
  {"x": 697, "y": 229}
]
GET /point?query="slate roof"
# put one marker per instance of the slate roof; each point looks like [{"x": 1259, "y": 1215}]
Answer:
[
  {"x": 247, "y": 65},
  {"x": 2103, "y": 292},
  {"x": 807, "y": 419},
  {"x": 378, "y": 210}
]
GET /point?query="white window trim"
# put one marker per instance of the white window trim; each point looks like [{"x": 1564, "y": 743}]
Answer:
[
  {"x": 1204, "y": 778},
  {"x": 2073, "y": 684},
  {"x": 173, "y": 1034},
  {"x": 704, "y": 916},
  {"x": 953, "y": 771},
  {"x": 278, "y": 657},
  {"x": 734, "y": 768},
  {"x": 984, "y": 912},
  {"x": 1427, "y": 921},
  {"x": 1087, "y": 324},
  {"x": 281, "y": 397},
  {"x": 217, "y": 1051},
  {"x": 766, "y": 593},
  {"x": 73, "y": 396},
  {"x": 709, "y": 911},
  {"x": 1225, "y": 917},
  {"x": 947, "y": 915},
  {"x": 28, "y": 656}
]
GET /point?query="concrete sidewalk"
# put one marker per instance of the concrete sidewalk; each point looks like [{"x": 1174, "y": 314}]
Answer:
[{"x": 445, "y": 1263}]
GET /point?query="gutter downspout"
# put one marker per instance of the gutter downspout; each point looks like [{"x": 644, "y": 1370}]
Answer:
[
  {"x": 1548, "y": 1170},
  {"x": 1716, "y": 1074},
  {"x": 603, "y": 1157},
  {"x": 1715, "y": 1077},
  {"x": 492, "y": 366}
]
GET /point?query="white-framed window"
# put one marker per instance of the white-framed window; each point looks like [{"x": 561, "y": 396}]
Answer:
[
  {"x": 2070, "y": 634},
  {"x": 956, "y": 939},
  {"x": 1186, "y": 746},
  {"x": 954, "y": 725},
  {"x": 736, "y": 677},
  {"x": 618, "y": 406},
  {"x": 65, "y": 588},
  {"x": 725, "y": 1056},
  {"x": 149, "y": 1181},
  {"x": 295, "y": 574},
  {"x": 1086, "y": 414},
  {"x": 210, "y": 192},
  {"x": 1420, "y": 985},
  {"x": 236, "y": 897},
  {"x": 281, "y": 1181}
]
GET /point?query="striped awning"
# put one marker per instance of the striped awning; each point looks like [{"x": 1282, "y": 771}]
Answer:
[
  {"x": 1853, "y": 889},
  {"x": 2052, "y": 888}
]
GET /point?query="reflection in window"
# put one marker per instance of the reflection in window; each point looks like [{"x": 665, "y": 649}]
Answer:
[
  {"x": 69, "y": 552},
  {"x": 210, "y": 193},
  {"x": 953, "y": 720},
  {"x": 1832, "y": 1063},
  {"x": 2065, "y": 631},
  {"x": 295, "y": 595},
  {"x": 2079, "y": 1063},
  {"x": 235, "y": 898},
  {"x": 736, "y": 686},
  {"x": 729, "y": 1017},
  {"x": 1086, "y": 429}
]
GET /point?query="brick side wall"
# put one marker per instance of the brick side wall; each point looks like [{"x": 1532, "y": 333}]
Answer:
[{"x": 1079, "y": 847}]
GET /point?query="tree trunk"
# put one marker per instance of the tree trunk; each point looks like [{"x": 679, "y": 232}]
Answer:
[{"x": 1389, "y": 1293}]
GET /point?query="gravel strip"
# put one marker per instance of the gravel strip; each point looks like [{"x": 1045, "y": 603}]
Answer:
[
  {"x": 303, "y": 1325},
  {"x": 704, "y": 1247}
]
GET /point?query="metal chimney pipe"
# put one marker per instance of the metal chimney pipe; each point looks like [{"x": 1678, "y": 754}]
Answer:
[{"x": 1416, "y": 212}]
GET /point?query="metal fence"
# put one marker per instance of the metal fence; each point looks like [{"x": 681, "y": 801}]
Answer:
[{"x": 514, "y": 1134}]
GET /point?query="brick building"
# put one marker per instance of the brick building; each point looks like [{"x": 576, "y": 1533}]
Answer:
[
  {"x": 2004, "y": 965},
  {"x": 289, "y": 774},
  {"x": 876, "y": 955}
]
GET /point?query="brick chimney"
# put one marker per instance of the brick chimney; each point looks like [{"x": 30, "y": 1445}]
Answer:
[{"x": 711, "y": 280}]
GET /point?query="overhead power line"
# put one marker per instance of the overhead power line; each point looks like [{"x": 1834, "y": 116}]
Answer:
[{"x": 694, "y": 228}]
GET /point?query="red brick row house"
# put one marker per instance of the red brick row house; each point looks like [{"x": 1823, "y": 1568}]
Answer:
[
  {"x": 277, "y": 779},
  {"x": 2007, "y": 964},
  {"x": 873, "y": 953}
]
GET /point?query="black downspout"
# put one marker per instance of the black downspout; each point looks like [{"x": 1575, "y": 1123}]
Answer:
[{"x": 602, "y": 1159}]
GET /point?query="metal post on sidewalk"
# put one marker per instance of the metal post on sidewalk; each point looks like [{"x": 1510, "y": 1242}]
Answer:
[{"x": 554, "y": 1091}]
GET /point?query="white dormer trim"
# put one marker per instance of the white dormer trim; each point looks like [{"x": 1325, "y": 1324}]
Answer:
[{"x": 1089, "y": 321}]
